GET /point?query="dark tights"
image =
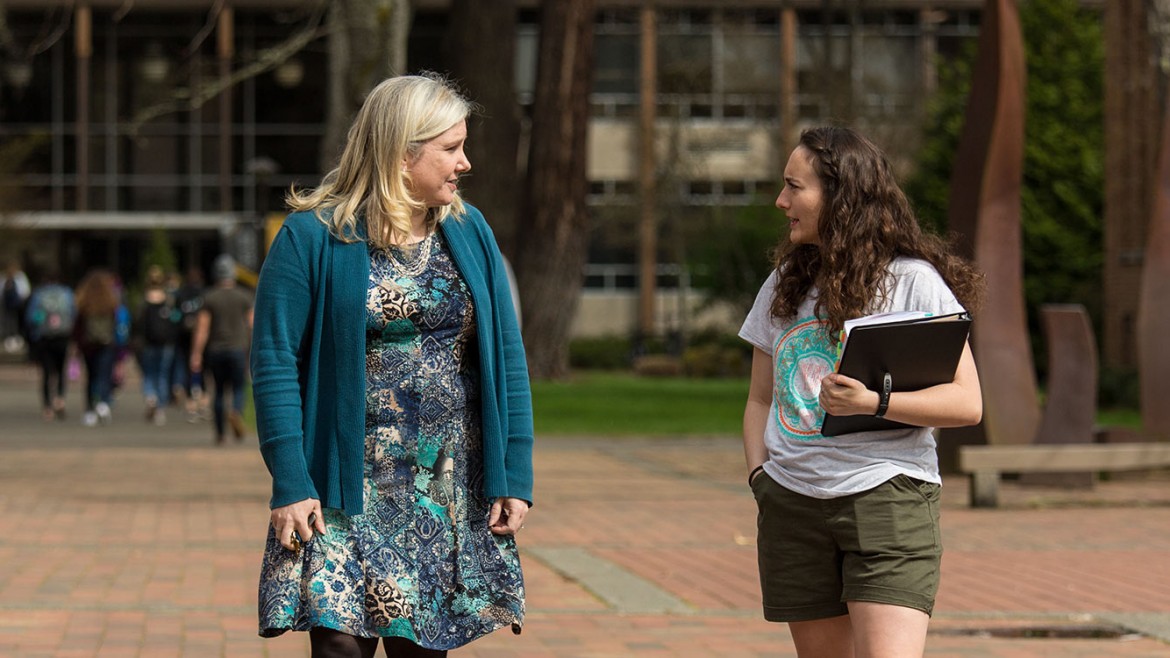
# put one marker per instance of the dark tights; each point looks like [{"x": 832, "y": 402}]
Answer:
[{"x": 328, "y": 643}]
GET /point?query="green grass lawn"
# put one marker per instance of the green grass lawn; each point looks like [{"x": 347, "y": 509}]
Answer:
[
  {"x": 1131, "y": 418},
  {"x": 623, "y": 404}
]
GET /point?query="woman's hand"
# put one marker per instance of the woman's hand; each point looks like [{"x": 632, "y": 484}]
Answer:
[
  {"x": 507, "y": 516},
  {"x": 955, "y": 404},
  {"x": 845, "y": 396},
  {"x": 303, "y": 517}
]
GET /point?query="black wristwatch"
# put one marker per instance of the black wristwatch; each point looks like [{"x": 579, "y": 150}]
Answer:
[{"x": 884, "y": 396}]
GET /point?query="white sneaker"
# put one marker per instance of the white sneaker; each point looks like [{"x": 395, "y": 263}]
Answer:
[
  {"x": 89, "y": 419},
  {"x": 103, "y": 412},
  {"x": 160, "y": 417}
]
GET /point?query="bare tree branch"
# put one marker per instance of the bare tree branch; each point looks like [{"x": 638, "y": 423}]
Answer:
[
  {"x": 1159, "y": 21},
  {"x": 44, "y": 40},
  {"x": 127, "y": 5},
  {"x": 185, "y": 100},
  {"x": 205, "y": 31}
]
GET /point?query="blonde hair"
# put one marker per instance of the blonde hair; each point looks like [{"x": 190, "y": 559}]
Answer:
[
  {"x": 396, "y": 119},
  {"x": 155, "y": 277}
]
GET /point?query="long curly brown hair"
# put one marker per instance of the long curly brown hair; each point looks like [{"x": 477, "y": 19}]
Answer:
[
  {"x": 865, "y": 223},
  {"x": 97, "y": 294}
]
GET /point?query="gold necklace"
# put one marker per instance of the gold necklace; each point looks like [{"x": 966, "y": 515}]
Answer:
[{"x": 413, "y": 266}]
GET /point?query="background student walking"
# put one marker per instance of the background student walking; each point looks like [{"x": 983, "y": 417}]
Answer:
[
  {"x": 14, "y": 294},
  {"x": 101, "y": 330},
  {"x": 49, "y": 319},
  {"x": 156, "y": 328},
  {"x": 219, "y": 345},
  {"x": 184, "y": 382}
]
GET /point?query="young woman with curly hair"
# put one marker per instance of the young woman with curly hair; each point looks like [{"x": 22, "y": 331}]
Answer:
[{"x": 848, "y": 543}]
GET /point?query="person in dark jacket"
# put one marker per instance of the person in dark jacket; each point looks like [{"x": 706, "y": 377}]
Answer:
[{"x": 156, "y": 329}]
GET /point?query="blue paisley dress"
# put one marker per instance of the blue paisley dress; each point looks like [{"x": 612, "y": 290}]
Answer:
[{"x": 420, "y": 562}]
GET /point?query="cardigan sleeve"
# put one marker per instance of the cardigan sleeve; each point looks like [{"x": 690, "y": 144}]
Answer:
[
  {"x": 518, "y": 400},
  {"x": 283, "y": 303}
]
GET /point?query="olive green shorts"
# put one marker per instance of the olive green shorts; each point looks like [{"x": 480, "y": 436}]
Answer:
[{"x": 880, "y": 545}]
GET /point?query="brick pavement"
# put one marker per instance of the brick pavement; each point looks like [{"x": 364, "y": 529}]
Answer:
[{"x": 130, "y": 540}]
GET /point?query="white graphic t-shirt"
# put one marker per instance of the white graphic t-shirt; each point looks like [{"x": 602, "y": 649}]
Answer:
[{"x": 799, "y": 458}]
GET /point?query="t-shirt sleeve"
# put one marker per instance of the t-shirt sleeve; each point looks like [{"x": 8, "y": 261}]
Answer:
[
  {"x": 921, "y": 288},
  {"x": 758, "y": 328}
]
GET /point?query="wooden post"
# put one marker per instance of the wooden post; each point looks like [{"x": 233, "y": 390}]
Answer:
[
  {"x": 788, "y": 86},
  {"x": 1132, "y": 113},
  {"x": 1154, "y": 303},
  {"x": 83, "y": 49},
  {"x": 647, "y": 167},
  {"x": 225, "y": 51}
]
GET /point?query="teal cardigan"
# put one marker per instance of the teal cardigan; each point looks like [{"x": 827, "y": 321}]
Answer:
[{"x": 309, "y": 363}]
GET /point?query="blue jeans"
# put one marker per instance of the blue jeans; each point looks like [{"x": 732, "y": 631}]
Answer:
[
  {"x": 99, "y": 372},
  {"x": 181, "y": 375},
  {"x": 156, "y": 362},
  {"x": 227, "y": 369}
]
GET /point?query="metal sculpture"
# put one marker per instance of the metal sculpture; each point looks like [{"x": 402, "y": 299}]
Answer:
[
  {"x": 1070, "y": 410},
  {"x": 985, "y": 213},
  {"x": 1154, "y": 304}
]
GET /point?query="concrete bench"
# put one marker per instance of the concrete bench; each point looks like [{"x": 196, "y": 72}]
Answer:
[{"x": 985, "y": 463}]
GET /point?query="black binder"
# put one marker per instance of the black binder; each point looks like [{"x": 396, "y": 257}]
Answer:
[{"x": 916, "y": 353}]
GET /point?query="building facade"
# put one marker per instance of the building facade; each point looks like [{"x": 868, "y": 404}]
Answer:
[{"x": 111, "y": 128}]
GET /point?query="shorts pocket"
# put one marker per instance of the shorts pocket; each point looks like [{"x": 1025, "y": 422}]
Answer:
[
  {"x": 929, "y": 491},
  {"x": 758, "y": 484}
]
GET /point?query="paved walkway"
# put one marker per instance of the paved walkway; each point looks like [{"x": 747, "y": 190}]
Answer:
[{"x": 131, "y": 540}]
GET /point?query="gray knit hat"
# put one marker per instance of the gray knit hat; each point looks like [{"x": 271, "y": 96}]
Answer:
[{"x": 223, "y": 268}]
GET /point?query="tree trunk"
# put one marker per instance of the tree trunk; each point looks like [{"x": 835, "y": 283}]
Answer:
[
  {"x": 367, "y": 44},
  {"x": 480, "y": 47},
  {"x": 553, "y": 229},
  {"x": 1132, "y": 114}
]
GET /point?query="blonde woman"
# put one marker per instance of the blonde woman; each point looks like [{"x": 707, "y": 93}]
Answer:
[{"x": 392, "y": 396}]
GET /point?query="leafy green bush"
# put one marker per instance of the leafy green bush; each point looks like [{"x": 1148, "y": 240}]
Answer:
[
  {"x": 717, "y": 354},
  {"x": 1118, "y": 388},
  {"x": 706, "y": 354},
  {"x": 730, "y": 250},
  {"x": 1063, "y": 179},
  {"x": 712, "y": 360},
  {"x": 602, "y": 353}
]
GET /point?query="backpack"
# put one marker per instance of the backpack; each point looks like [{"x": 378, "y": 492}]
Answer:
[
  {"x": 190, "y": 302},
  {"x": 160, "y": 323},
  {"x": 99, "y": 330},
  {"x": 52, "y": 313}
]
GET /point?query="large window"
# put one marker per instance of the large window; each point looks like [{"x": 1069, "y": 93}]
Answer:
[{"x": 148, "y": 149}]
